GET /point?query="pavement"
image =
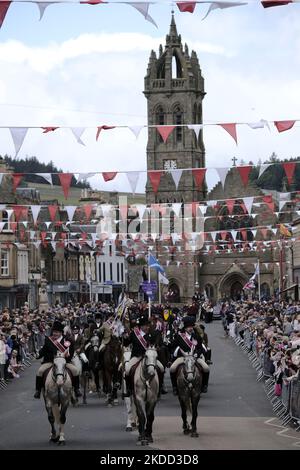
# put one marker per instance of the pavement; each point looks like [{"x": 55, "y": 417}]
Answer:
[{"x": 235, "y": 413}]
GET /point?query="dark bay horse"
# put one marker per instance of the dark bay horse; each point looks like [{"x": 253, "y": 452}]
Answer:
[
  {"x": 145, "y": 394},
  {"x": 112, "y": 374},
  {"x": 189, "y": 383},
  {"x": 92, "y": 367}
]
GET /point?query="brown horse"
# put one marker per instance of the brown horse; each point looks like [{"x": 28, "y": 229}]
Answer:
[
  {"x": 189, "y": 383},
  {"x": 112, "y": 376}
]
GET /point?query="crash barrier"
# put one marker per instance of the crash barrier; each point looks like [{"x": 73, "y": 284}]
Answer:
[{"x": 287, "y": 405}]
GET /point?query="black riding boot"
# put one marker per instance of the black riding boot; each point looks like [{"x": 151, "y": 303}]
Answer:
[
  {"x": 174, "y": 382},
  {"x": 75, "y": 383},
  {"x": 38, "y": 386},
  {"x": 128, "y": 387},
  {"x": 205, "y": 378}
]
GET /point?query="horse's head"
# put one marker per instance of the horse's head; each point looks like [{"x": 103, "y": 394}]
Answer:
[
  {"x": 150, "y": 361},
  {"x": 95, "y": 342},
  {"x": 59, "y": 369},
  {"x": 189, "y": 367}
]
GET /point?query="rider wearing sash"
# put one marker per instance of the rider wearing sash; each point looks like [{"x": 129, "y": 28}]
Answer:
[
  {"x": 141, "y": 340},
  {"x": 57, "y": 343},
  {"x": 188, "y": 341}
]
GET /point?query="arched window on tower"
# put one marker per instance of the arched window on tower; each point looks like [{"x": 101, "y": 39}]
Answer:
[
  {"x": 176, "y": 67},
  {"x": 178, "y": 120},
  {"x": 160, "y": 121}
]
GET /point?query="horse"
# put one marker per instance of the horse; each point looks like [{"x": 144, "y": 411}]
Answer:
[
  {"x": 145, "y": 394},
  {"x": 129, "y": 403},
  {"x": 189, "y": 383},
  {"x": 92, "y": 366},
  {"x": 112, "y": 356},
  {"x": 57, "y": 392}
]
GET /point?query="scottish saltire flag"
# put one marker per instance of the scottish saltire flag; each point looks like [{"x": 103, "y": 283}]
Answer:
[
  {"x": 153, "y": 263},
  {"x": 163, "y": 279}
]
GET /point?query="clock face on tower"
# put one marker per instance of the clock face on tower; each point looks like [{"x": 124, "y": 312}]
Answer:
[{"x": 170, "y": 165}]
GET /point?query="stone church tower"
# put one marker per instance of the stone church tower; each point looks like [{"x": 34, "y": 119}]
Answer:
[{"x": 174, "y": 88}]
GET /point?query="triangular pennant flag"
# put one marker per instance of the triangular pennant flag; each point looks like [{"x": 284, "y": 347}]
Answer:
[
  {"x": 234, "y": 234},
  {"x": 88, "y": 210},
  {"x": 18, "y": 135},
  {"x": 136, "y": 130},
  {"x": 186, "y": 6},
  {"x": 52, "y": 212},
  {"x": 266, "y": 265},
  {"x": 109, "y": 175},
  {"x": 222, "y": 5},
  {"x": 53, "y": 234},
  {"x": 35, "y": 212},
  {"x": 77, "y": 132},
  {"x": 258, "y": 125},
  {"x": 4, "y": 6},
  {"x": 32, "y": 234},
  {"x": 263, "y": 168},
  {"x": 37, "y": 244},
  {"x": 244, "y": 172},
  {"x": 45, "y": 176},
  {"x": 176, "y": 175},
  {"x": 49, "y": 129},
  {"x": 53, "y": 244},
  {"x": 230, "y": 205},
  {"x": 17, "y": 177},
  {"x": 47, "y": 224},
  {"x": 143, "y": 9},
  {"x": 141, "y": 210},
  {"x": 42, "y": 7},
  {"x": 213, "y": 235},
  {"x": 84, "y": 176},
  {"x": 283, "y": 126},
  {"x": 1, "y": 177},
  {"x": 133, "y": 177},
  {"x": 199, "y": 174},
  {"x": 176, "y": 207},
  {"x": 155, "y": 177},
  {"x": 248, "y": 201},
  {"x": 222, "y": 173},
  {"x": 281, "y": 205},
  {"x": 289, "y": 169},
  {"x": 196, "y": 128},
  {"x": 103, "y": 128},
  {"x": 65, "y": 181},
  {"x": 231, "y": 129},
  {"x": 275, "y": 3},
  {"x": 71, "y": 211},
  {"x": 254, "y": 232},
  {"x": 165, "y": 131},
  {"x": 2, "y": 226}
]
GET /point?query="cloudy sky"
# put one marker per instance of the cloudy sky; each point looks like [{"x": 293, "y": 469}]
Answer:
[{"x": 84, "y": 66}]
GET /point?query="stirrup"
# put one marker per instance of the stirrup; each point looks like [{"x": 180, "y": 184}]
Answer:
[{"x": 37, "y": 394}]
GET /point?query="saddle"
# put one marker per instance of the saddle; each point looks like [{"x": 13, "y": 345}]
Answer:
[{"x": 133, "y": 369}]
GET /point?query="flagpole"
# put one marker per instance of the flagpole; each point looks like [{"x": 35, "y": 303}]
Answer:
[
  {"x": 159, "y": 291},
  {"x": 149, "y": 298},
  {"x": 258, "y": 279}
]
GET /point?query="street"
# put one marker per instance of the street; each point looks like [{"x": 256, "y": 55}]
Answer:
[{"x": 232, "y": 415}]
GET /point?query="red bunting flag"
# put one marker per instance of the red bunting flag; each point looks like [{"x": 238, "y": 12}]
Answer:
[
  {"x": 4, "y": 6},
  {"x": 244, "y": 172},
  {"x": 199, "y": 174},
  {"x": 17, "y": 177},
  {"x": 20, "y": 211},
  {"x": 52, "y": 212},
  {"x": 13, "y": 226},
  {"x": 65, "y": 181},
  {"x": 43, "y": 236},
  {"x": 154, "y": 177},
  {"x": 289, "y": 169},
  {"x": 223, "y": 235},
  {"x": 231, "y": 129},
  {"x": 186, "y": 6},
  {"x": 230, "y": 205},
  {"x": 88, "y": 210},
  {"x": 284, "y": 125},
  {"x": 103, "y": 128},
  {"x": 165, "y": 131},
  {"x": 49, "y": 129},
  {"x": 275, "y": 3},
  {"x": 109, "y": 175}
]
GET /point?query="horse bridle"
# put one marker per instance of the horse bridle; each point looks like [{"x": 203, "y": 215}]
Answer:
[{"x": 186, "y": 374}]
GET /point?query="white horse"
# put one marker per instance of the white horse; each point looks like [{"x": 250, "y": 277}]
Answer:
[
  {"x": 129, "y": 403},
  {"x": 57, "y": 395},
  {"x": 145, "y": 393}
]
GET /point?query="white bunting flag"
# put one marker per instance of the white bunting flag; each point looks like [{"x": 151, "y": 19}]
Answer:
[
  {"x": 176, "y": 207},
  {"x": 196, "y": 128},
  {"x": 143, "y": 9},
  {"x": 222, "y": 5},
  {"x": 248, "y": 201},
  {"x": 259, "y": 125},
  {"x": 53, "y": 244},
  {"x": 203, "y": 209},
  {"x": 48, "y": 224},
  {"x": 2, "y": 226},
  {"x": 263, "y": 168},
  {"x": 46, "y": 176},
  {"x": 35, "y": 212},
  {"x": 222, "y": 173},
  {"x": 42, "y": 7},
  {"x": 18, "y": 135},
  {"x": 71, "y": 211},
  {"x": 37, "y": 244},
  {"x": 1, "y": 177},
  {"x": 254, "y": 232},
  {"x": 133, "y": 177},
  {"x": 32, "y": 234},
  {"x": 176, "y": 175},
  {"x": 136, "y": 130},
  {"x": 234, "y": 234},
  {"x": 84, "y": 176},
  {"x": 281, "y": 204},
  {"x": 141, "y": 210},
  {"x": 77, "y": 132}
]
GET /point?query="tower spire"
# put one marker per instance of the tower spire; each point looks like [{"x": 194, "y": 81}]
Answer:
[{"x": 173, "y": 29}]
